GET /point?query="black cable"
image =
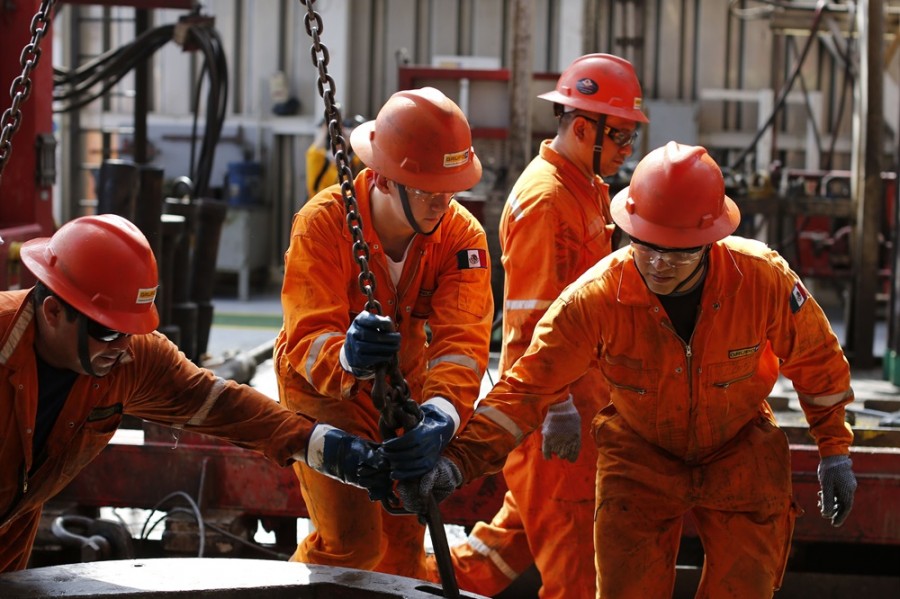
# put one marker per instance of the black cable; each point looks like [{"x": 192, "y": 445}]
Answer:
[
  {"x": 201, "y": 525},
  {"x": 78, "y": 87},
  {"x": 75, "y": 86},
  {"x": 782, "y": 95}
]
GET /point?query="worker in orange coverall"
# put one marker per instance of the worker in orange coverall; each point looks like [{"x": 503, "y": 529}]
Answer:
[
  {"x": 690, "y": 328},
  {"x": 429, "y": 259},
  {"x": 78, "y": 351},
  {"x": 555, "y": 225}
]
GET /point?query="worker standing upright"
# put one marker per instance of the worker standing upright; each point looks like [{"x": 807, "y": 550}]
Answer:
[
  {"x": 429, "y": 259},
  {"x": 555, "y": 224}
]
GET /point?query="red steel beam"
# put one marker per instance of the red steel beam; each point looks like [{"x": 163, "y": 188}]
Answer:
[{"x": 139, "y": 475}]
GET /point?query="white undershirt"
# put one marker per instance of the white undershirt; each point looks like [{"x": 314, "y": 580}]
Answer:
[{"x": 395, "y": 268}]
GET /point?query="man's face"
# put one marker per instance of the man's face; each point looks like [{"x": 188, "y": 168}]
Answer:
[
  {"x": 62, "y": 343},
  {"x": 427, "y": 207},
  {"x": 664, "y": 269},
  {"x": 618, "y": 144}
]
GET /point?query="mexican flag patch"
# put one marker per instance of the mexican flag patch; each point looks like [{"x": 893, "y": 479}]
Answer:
[
  {"x": 799, "y": 295},
  {"x": 471, "y": 259}
]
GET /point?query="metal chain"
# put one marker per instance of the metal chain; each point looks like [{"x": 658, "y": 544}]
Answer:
[
  {"x": 21, "y": 85},
  {"x": 319, "y": 53},
  {"x": 398, "y": 410}
]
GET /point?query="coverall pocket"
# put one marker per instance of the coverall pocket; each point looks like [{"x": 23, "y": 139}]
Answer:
[
  {"x": 473, "y": 293},
  {"x": 605, "y": 414},
  {"x": 91, "y": 439}
]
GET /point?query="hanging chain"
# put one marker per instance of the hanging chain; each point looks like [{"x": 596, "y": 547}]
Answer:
[
  {"x": 319, "y": 53},
  {"x": 21, "y": 85},
  {"x": 398, "y": 411}
]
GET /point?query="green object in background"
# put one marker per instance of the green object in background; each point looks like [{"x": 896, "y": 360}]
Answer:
[{"x": 255, "y": 321}]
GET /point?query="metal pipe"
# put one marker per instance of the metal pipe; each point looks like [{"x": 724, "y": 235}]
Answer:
[{"x": 117, "y": 186}]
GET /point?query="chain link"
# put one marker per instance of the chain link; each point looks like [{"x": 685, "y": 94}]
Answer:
[
  {"x": 390, "y": 392},
  {"x": 21, "y": 85},
  {"x": 319, "y": 53}
]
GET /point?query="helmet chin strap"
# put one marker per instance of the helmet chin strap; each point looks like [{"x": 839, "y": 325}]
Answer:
[
  {"x": 598, "y": 143},
  {"x": 700, "y": 264},
  {"x": 407, "y": 210},
  {"x": 83, "y": 355}
]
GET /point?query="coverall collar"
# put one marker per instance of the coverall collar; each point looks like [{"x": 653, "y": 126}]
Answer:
[
  {"x": 723, "y": 278},
  {"x": 587, "y": 186}
]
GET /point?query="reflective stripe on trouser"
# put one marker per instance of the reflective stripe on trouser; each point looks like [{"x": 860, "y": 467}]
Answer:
[
  {"x": 740, "y": 499},
  {"x": 555, "y": 504},
  {"x": 353, "y": 532},
  {"x": 493, "y": 556}
]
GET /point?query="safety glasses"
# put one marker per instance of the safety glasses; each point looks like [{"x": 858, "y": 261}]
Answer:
[
  {"x": 427, "y": 197},
  {"x": 620, "y": 137},
  {"x": 674, "y": 258},
  {"x": 101, "y": 333}
]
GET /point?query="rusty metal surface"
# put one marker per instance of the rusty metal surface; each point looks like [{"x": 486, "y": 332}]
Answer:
[
  {"x": 234, "y": 479},
  {"x": 244, "y": 481},
  {"x": 210, "y": 578}
]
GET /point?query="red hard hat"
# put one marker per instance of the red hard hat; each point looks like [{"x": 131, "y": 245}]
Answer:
[
  {"x": 420, "y": 139},
  {"x": 103, "y": 267},
  {"x": 600, "y": 83},
  {"x": 676, "y": 199}
]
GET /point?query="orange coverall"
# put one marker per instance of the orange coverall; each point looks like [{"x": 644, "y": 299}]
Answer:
[
  {"x": 154, "y": 382},
  {"x": 321, "y": 296},
  {"x": 555, "y": 225},
  {"x": 688, "y": 427}
]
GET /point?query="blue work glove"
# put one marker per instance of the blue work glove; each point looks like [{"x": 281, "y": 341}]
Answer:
[
  {"x": 371, "y": 341},
  {"x": 838, "y": 487},
  {"x": 416, "y": 451},
  {"x": 562, "y": 431},
  {"x": 440, "y": 482},
  {"x": 350, "y": 459}
]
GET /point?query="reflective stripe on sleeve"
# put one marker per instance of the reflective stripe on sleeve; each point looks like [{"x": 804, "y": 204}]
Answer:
[
  {"x": 825, "y": 400},
  {"x": 515, "y": 207},
  {"x": 315, "y": 350},
  {"x": 211, "y": 398},
  {"x": 527, "y": 304},
  {"x": 502, "y": 420},
  {"x": 459, "y": 359}
]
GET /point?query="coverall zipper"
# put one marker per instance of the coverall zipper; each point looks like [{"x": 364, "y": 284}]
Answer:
[
  {"x": 726, "y": 384},
  {"x": 398, "y": 296},
  {"x": 688, "y": 355}
]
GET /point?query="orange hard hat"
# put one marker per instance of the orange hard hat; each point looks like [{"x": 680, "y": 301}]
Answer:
[
  {"x": 676, "y": 199},
  {"x": 103, "y": 267},
  {"x": 420, "y": 139},
  {"x": 600, "y": 83}
]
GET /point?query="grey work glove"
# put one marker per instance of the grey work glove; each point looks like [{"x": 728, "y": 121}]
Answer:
[
  {"x": 838, "y": 487},
  {"x": 562, "y": 431},
  {"x": 440, "y": 481}
]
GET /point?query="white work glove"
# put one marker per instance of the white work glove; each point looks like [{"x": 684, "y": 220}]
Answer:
[
  {"x": 562, "y": 431},
  {"x": 440, "y": 481},
  {"x": 838, "y": 487}
]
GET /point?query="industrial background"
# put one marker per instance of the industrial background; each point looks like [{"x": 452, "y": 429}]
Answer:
[{"x": 193, "y": 121}]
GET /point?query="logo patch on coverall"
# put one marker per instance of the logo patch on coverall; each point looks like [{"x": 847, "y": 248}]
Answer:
[
  {"x": 471, "y": 259},
  {"x": 744, "y": 351},
  {"x": 799, "y": 295}
]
